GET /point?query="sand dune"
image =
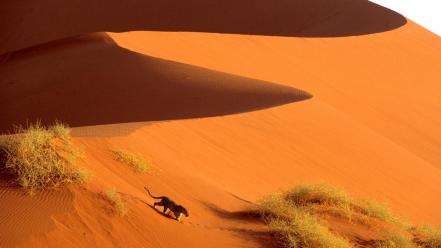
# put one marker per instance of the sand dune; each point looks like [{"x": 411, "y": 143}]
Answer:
[
  {"x": 22, "y": 216},
  {"x": 89, "y": 80},
  {"x": 261, "y": 97},
  {"x": 48, "y": 20}
]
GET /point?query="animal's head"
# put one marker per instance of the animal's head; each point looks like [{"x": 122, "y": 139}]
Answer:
[{"x": 185, "y": 212}]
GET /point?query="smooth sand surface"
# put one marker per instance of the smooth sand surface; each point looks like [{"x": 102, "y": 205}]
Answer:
[{"x": 226, "y": 112}]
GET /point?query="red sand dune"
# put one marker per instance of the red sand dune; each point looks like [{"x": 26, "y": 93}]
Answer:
[
  {"x": 26, "y": 24},
  {"x": 347, "y": 92},
  {"x": 116, "y": 85}
]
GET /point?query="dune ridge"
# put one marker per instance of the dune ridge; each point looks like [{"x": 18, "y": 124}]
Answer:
[
  {"x": 116, "y": 85},
  {"x": 300, "y": 18}
]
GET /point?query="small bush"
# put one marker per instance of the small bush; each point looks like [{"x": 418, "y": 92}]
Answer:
[
  {"x": 298, "y": 217},
  {"x": 376, "y": 209},
  {"x": 321, "y": 194},
  {"x": 296, "y": 227},
  {"x": 321, "y": 198},
  {"x": 275, "y": 205},
  {"x": 115, "y": 198},
  {"x": 135, "y": 160},
  {"x": 42, "y": 157}
]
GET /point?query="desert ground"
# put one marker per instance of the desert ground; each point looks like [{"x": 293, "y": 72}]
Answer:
[{"x": 228, "y": 101}]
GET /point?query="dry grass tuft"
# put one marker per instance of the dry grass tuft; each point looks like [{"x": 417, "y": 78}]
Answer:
[
  {"x": 135, "y": 160},
  {"x": 295, "y": 226},
  {"x": 395, "y": 240},
  {"x": 298, "y": 218},
  {"x": 321, "y": 198},
  {"x": 41, "y": 157},
  {"x": 428, "y": 237},
  {"x": 321, "y": 194},
  {"x": 115, "y": 198},
  {"x": 377, "y": 210}
]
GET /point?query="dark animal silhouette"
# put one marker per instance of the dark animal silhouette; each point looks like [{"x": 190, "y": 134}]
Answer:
[{"x": 167, "y": 203}]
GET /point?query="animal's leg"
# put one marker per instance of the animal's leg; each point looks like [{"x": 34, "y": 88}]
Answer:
[
  {"x": 164, "y": 210},
  {"x": 158, "y": 204},
  {"x": 178, "y": 218}
]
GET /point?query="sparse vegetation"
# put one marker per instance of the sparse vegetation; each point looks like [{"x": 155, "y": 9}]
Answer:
[
  {"x": 322, "y": 194},
  {"x": 428, "y": 237},
  {"x": 296, "y": 227},
  {"x": 298, "y": 218},
  {"x": 40, "y": 157},
  {"x": 376, "y": 209},
  {"x": 321, "y": 198},
  {"x": 395, "y": 240},
  {"x": 115, "y": 198},
  {"x": 135, "y": 160}
]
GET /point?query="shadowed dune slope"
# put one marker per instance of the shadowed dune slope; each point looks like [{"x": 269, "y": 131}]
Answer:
[
  {"x": 49, "y": 20},
  {"x": 89, "y": 80}
]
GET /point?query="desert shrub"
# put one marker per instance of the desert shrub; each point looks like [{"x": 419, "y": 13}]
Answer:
[
  {"x": 297, "y": 217},
  {"x": 40, "y": 157},
  {"x": 135, "y": 160},
  {"x": 429, "y": 236},
  {"x": 376, "y": 209},
  {"x": 115, "y": 199},
  {"x": 275, "y": 205},
  {"x": 295, "y": 226},
  {"x": 60, "y": 130},
  {"x": 395, "y": 240},
  {"x": 321, "y": 194},
  {"x": 321, "y": 198}
]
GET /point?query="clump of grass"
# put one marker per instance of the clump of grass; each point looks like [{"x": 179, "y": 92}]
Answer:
[
  {"x": 297, "y": 218},
  {"x": 115, "y": 198},
  {"x": 135, "y": 160},
  {"x": 42, "y": 157},
  {"x": 395, "y": 240},
  {"x": 60, "y": 130},
  {"x": 429, "y": 237},
  {"x": 322, "y": 194},
  {"x": 321, "y": 198},
  {"x": 296, "y": 227},
  {"x": 377, "y": 210}
]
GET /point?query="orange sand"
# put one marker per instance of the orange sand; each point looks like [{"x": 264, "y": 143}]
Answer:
[{"x": 244, "y": 102}]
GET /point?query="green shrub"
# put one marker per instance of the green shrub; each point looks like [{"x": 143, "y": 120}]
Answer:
[
  {"x": 115, "y": 199},
  {"x": 135, "y": 160},
  {"x": 42, "y": 157}
]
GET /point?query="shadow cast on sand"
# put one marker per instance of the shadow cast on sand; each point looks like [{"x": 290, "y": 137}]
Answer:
[
  {"x": 292, "y": 18},
  {"x": 89, "y": 80},
  {"x": 263, "y": 237},
  {"x": 250, "y": 215}
]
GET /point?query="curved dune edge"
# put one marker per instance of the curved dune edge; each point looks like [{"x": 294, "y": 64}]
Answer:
[
  {"x": 56, "y": 20},
  {"x": 89, "y": 80}
]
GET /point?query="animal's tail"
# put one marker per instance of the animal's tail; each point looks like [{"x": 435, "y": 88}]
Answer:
[{"x": 152, "y": 196}]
